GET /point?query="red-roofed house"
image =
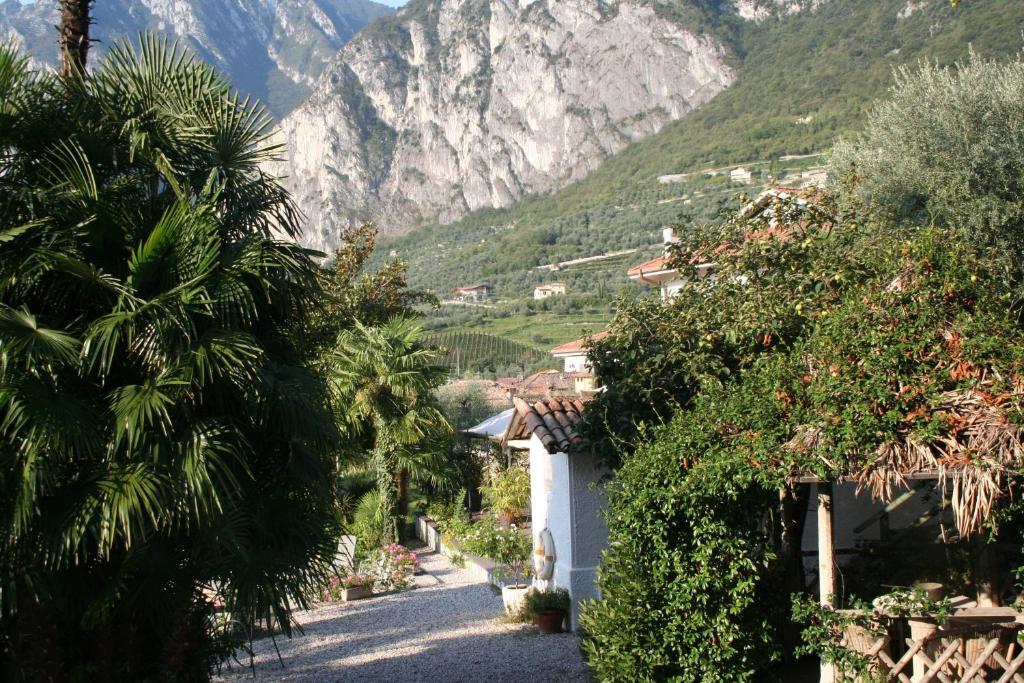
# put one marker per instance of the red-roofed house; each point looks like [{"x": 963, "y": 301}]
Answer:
[
  {"x": 472, "y": 292},
  {"x": 575, "y": 353},
  {"x": 657, "y": 272}
]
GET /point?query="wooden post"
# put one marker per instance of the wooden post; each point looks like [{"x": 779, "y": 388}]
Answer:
[{"x": 826, "y": 563}]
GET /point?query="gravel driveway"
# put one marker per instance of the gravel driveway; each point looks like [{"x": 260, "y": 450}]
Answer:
[{"x": 446, "y": 629}]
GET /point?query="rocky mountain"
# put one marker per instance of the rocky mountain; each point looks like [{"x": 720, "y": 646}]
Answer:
[
  {"x": 272, "y": 49},
  {"x": 457, "y": 105}
]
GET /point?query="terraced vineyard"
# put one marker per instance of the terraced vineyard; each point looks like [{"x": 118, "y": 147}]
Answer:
[{"x": 487, "y": 354}]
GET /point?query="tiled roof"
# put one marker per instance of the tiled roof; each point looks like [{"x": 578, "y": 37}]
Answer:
[
  {"x": 553, "y": 421},
  {"x": 579, "y": 344},
  {"x": 652, "y": 266}
]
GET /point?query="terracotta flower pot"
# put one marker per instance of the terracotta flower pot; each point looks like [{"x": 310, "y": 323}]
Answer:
[{"x": 549, "y": 621}]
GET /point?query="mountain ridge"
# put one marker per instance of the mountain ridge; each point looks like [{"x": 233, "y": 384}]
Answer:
[
  {"x": 278, "y": 49},
  {"x": 806, "y": 79},
  {"x": 456, "y": 105}
]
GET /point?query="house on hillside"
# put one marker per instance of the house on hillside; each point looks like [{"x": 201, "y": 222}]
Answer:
[
  {"x": 741, "y": 175},
  {"x": 478, "y": 292},
  {"x": 657, "y": 273},
  {"x": 577, "y": 364},
  {"x": 546, "y": 291}
]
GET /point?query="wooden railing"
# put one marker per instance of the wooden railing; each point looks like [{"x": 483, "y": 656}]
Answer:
[{"x": 964, "y": 651}]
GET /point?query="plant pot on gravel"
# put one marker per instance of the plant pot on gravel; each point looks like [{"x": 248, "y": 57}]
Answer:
[
  {"x": 356, "y": 593},
  {"x": 514, "y": 597},
  {"x": 548, "y": 608},
  {"x": 549, "y": 621}
]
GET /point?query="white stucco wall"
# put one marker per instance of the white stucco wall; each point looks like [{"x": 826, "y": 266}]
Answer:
[
  {"x": 565, "y": 501},
  {"x": 671, "y": 288},
  {"x": 577, "y": 363}
]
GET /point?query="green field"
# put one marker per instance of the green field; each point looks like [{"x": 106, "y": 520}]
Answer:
[{"x": 538, "y": 330}]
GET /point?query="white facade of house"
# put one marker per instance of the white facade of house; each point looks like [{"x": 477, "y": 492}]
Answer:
[
  {"x": 565, "y": 501},
  {"x": 575, "y": 362},
  {"x": 474, "y": 293},
  {"x": 549, "y": 290},
  {"x": 741, "y": 175}
]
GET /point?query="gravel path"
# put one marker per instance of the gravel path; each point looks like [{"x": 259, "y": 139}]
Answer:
[{"x": 446, "y": 629}]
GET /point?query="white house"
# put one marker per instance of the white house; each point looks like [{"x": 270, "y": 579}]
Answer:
[
  {"x": 657, "y": 273},
  {"x": 574, "y": 354},
  {"x": 546, "y": 291},
  {"x": 563, "y": 497},
  {"x": 741, "y": 175},
  {"x": 472, "y": 292}
]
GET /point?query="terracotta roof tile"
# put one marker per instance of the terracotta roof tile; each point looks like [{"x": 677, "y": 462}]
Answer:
[
  {"x": 553, "y": 421},
  {"x": 579, "y": 344},
  {"x": 652, "y": 266}
]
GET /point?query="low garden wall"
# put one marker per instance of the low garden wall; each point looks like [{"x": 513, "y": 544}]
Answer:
[{"x": 481, "y": 568}]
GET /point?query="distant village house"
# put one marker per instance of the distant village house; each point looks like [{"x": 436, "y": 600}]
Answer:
[
  {"x": 549, "y": 290},
  {"x": 657, "y": 273},
  {"x": 741, "y": 175},
  {"x": 472, "y": 293}
]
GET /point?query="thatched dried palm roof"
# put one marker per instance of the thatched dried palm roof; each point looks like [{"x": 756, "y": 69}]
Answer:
[{"x": 977, "y": 455}]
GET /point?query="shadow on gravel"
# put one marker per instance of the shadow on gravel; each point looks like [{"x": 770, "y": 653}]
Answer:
[{"x": 440, "y": 632}]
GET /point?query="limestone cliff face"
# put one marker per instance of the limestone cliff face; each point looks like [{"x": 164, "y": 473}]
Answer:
[
  {"x": 456, "y": 105},
  {"x": 272, "y": 49}
]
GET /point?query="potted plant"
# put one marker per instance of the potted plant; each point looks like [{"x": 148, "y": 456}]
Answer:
[
  {"x": 548, "y": 609},
  {"x": 350, "y": 587},
  {"x": 507, "y": 494},
  {"x": 513, "y": 550}
]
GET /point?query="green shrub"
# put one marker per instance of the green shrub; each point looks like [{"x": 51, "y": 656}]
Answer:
[
  {"x": 687, "y": 591},
  {"x": 370, "y": 525},
  {"x": 510, "y": 547},
  {"x": 545, "y": 600},
  {"x": 508, "y": 493},
  {"x": 944, "y": 147}
]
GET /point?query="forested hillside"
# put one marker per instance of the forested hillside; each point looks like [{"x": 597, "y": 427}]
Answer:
[{"x": 804, "y": 80}]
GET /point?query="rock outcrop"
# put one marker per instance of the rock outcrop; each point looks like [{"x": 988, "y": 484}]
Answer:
[
  {"x": 457, "y": 105},
  {"x": 272, "y": 49}
]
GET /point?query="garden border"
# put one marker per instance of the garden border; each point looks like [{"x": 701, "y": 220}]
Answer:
[{"x": 481, "y": 568}]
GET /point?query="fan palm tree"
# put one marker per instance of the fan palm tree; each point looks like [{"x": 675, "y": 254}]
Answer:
[
  {"x": 384, "y": 380},
  {"x": 160, "y": 430},
  {"x": 74, "y": 35}
]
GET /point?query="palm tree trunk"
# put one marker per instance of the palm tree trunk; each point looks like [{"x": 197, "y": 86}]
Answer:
[
  {"x": 387, "y": 486},
  {"x": 73, "y": 35},
  {"x": 403, "y": 492}
]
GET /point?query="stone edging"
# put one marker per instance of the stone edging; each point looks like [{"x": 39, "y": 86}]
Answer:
[{"x": 480, "y": 568}]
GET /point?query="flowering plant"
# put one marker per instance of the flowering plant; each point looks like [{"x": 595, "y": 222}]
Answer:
[
  {"x": 336, "y": 585},
  {"x": 510, "y": 547},
  {"x": 393, "y": 566}
]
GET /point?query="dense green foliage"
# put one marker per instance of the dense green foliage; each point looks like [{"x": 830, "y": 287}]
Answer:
[
  {"x": 684, "y": 593},
  {"x": 383, "y": 380},
  {"x": 161, "y": 427},
  {"x": 828, "y": 64},
  {"x": 833, "y": 343},
  {"x": 966, "y": 171}
]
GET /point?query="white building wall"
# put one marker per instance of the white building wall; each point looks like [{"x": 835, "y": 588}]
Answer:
[
  {"x": 671, "y": 288},
  {"x": 565, "y": 501},
  {"x": 574, "y": 364}
]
